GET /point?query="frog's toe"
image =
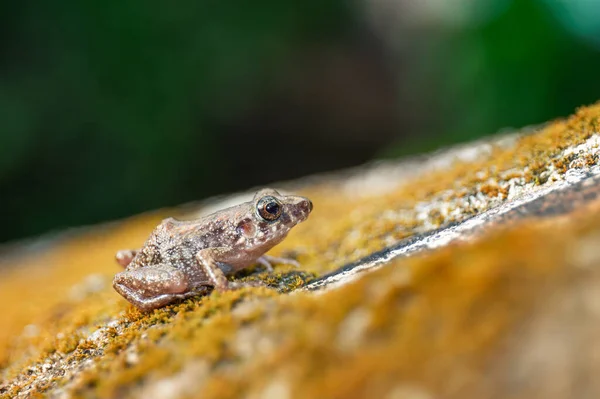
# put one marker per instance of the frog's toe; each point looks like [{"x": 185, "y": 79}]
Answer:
[
  {"x": 125, "y": 256},
  {"x": 279, "y": 261},
  {"x": 263, "y": 261},
  {"x": 236, "y": 285}
]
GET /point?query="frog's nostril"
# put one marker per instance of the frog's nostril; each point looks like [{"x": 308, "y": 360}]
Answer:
[{"x": 307, "y": 205}]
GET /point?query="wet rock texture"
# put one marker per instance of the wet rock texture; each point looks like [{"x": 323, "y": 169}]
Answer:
[{"x": 472, "y": 272}]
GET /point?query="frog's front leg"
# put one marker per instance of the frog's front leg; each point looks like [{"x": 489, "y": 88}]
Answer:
[
  {"x": 152, "y": 287},
  {"x": 207, "y": 259}
]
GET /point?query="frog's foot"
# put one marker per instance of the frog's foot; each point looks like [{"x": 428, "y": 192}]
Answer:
[
  {"x": 125, "y": 256},
  {"x": 267, "y": 261},
  {"x": 152, "y": 287}
]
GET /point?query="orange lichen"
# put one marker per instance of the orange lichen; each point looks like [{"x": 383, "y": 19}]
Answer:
[{"x": 431, "y": 319}]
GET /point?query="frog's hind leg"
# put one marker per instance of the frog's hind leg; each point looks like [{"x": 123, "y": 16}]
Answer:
[
  {"x": 125, "y": 256},
  {"x": 152, "y": 287}
]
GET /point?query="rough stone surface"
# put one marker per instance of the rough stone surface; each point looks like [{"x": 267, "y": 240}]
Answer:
[{"x": 472, "y": 272}]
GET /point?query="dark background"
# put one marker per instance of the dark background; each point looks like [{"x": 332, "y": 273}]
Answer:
[{"x": 108, "y": 108}]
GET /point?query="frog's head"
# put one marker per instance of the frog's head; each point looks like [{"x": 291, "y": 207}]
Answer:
[
  {"x": 273, "y": 216},
  {"x": 283, "y": 211}
]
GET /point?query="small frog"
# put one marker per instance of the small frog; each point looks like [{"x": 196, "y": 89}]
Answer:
[{"x": 181, "y": 259}]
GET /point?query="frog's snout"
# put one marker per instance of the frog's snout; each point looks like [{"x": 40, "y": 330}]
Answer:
[
  {"x": 304, "y": 207},
  {"x": 307, "y": 205}
]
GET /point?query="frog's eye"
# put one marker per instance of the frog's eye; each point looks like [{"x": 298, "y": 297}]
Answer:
[{"x": 268, "y": 208}]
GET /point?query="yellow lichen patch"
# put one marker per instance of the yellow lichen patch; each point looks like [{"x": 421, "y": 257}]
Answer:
[
  {"x": 435, "y": 320},
  {"x": 39, "y": 282},
  {"x": 434, "y": 323}
]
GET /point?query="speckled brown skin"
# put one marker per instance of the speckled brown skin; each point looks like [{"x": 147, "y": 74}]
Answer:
[{"x": 185, "y": 258}]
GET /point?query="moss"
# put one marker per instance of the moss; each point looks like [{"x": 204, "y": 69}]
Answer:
[
  {"x": 426, "y": 319},
  {"x": 458, "y": 304}
]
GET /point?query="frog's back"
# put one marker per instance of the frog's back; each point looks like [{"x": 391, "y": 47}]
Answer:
[{"x": 172, "y": 242}]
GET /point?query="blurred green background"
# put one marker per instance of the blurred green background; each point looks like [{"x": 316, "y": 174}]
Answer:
[{"x": 109, "y": 108}]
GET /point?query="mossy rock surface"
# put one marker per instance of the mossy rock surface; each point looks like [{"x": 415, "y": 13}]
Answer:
[{"x": 509, "y": 310}]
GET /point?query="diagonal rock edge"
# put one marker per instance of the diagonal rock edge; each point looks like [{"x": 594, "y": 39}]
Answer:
[{"x": 561, "y": 196}]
